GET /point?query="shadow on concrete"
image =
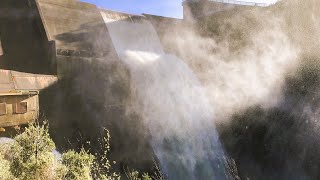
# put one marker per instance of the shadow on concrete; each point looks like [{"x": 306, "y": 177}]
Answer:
[
  {"x": 79, "y": 107},
  {"x": 24, "y": 40}
]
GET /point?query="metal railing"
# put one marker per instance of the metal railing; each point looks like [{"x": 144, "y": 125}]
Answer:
[{"x": 237, "y": 2}]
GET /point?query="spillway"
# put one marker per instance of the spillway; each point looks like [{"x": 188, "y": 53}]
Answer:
[{"x": 170, "y": 100}]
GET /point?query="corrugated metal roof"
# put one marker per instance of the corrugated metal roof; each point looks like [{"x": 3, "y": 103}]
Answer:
[{"x": 13, "y": 81}]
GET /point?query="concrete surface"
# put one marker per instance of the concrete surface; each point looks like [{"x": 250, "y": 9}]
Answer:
[
  {"x": 12, "y": 118},
  {"x": 15, "y": 82}
]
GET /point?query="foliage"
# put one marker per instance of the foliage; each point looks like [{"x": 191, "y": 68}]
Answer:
[
  {"x": 5, "y": 173},
  {"x": 30, "y": 156},
  {"x": 78, "y": 164},
  {"x": 102, "y": 166},
  {"x": 134, "y": 175}
]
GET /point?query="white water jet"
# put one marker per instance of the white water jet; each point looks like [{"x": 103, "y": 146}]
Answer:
[{"x": 171, "y": 101}]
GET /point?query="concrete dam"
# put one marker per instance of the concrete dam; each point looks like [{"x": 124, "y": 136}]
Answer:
[
  {"x": 231, "y": 91},
  {"x": 113, "y": 72}
]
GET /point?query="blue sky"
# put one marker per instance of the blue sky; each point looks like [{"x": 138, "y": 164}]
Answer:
[{"x": 170, "y": 8}]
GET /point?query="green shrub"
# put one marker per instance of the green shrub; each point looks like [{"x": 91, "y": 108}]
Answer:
[
  {"x": 134, "y": 175},
  {"x": 102, "y": 167},
  {"x": 32, "y": 155},
  {"x": 78, "y": 164},
  {"x": 5, "y": 173}
]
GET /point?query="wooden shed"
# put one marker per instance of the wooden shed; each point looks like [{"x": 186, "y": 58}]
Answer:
[{"x": 19, "y": 96}]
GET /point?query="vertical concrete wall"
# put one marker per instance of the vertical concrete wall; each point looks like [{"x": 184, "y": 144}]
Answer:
[
  {"x": 24, "y": 43},
  {"x": 67, "y": 22},
  {"x": 53, "y": 36},
  {"x": 78, "y": 31},
  {"x": 193, "y": 10}
]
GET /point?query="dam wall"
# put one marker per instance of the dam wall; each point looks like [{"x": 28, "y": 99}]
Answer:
[
  {"x": 78, "y": 32},
  {"x": 58, "y": 37},
  {"x": 193, "y": 10},
  {"x": 24, "y": 44}
]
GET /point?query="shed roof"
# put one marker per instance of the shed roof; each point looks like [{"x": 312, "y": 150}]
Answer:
[{"x": 13, "y": 81}]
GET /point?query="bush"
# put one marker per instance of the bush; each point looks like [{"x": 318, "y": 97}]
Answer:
[
  {"x": 134, "y": 175},
  {"x": 5, "y": 173},
  {"x": 78, "y": 164},
  {"x": 30, "y": 156}
]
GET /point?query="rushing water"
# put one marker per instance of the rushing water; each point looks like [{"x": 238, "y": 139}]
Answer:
[{"x": 171, "y": 102}]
